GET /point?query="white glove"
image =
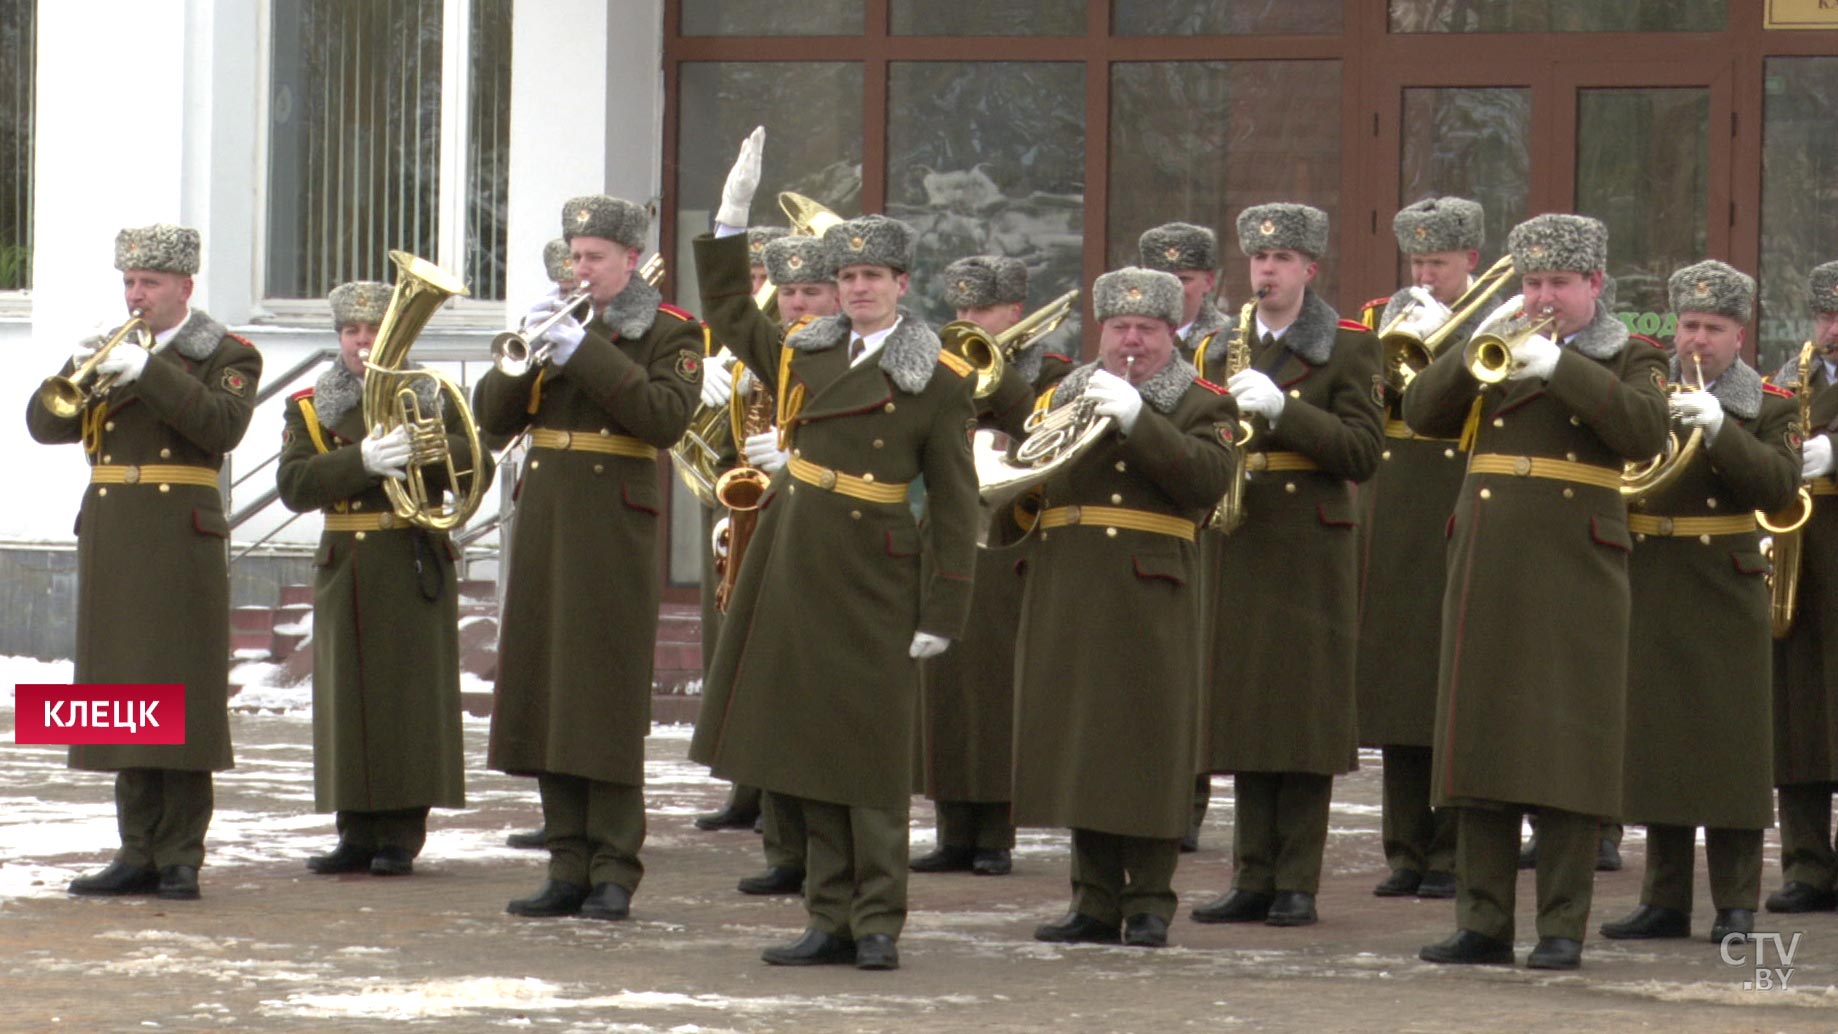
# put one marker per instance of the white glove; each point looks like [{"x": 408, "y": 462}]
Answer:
[
  {"x": 1504, "y": 311},
  {"x": 1115, "y": 398},
  {"x": 1429, "y": 313},
  {"x": 925, "y": 644},
  {"x": 1699, "y": 409},
  {"x": 762, "y": 450},
  {"x": 743, "y": 180},
  {"x": 1257, "y": 393},
  {"x": 1816, "y": 457},
  {"x": 718, "y": 380},
  {"x": 386, "y": 455},
  {"x": 564, "y": 337},
  {"x": 1536, "y": 356},
  {"x": 84, "y": 350},
  {"x": 544, "y": 306},
  {"x": 125, "y": 361}
]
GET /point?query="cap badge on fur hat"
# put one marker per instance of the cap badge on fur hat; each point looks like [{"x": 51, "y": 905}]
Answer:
[
  {"x": 795, "y": 261},
  {"x": 1172, "y": 253},
  {"x": 1267, "y": 227},
  {"x": 1423, "y": 233},
  {"x": 857, "y": 242}
]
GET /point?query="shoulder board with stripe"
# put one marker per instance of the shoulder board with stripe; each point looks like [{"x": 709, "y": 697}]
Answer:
[
  {"x": 1353, "y": 325},
  {"x": 1210, "y": 386},
  {"x": 239, "y": 339},
  {"x": 956, "y": 365},
  {"x": 1378, "y": 303},
  {"x": 1648, "y": 340},
  {"x": 803, "y": 321},
  {"x": 1062, "y": 358},
  {"x": 678, "y": 313},
  {"x": 1776, "y": 390},
  {"x": 303, "y": 393}
]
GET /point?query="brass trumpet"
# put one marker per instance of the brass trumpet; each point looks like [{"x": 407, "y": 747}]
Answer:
[
  {"x": 65, "y": 397},
  {"x": 988, "y": 355},
  {"x": 1489, "y": 357},
  {"x": 1408, "y": 352},
  {"x": 1641, "y": 479},
  {"x": 517, "y": 352}
]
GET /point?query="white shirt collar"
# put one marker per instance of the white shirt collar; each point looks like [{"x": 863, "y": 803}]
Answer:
[
  {"x": 1180, "y": 332},
  {"x": 871, "y": 343},
  {"x": 1264, "y": 329},
  {"x": 1831, "y": 369},
  {"x": 164, "y": 337}
]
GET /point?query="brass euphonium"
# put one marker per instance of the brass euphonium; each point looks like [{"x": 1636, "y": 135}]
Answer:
[
  {"x": 390, "y": 401},
  {"x": 66, "y": 396},
  {"x": 1407, "y": 352},
  {"x": 1229, "y": 514},
  {"x": 990, "y": 355},
  {"x": 1784, "y": 527},
  {"x": 1642, "y": 479}
]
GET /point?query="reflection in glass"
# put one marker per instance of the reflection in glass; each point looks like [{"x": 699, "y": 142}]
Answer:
[
  {"x": 1559, "y": 15},
  {"x": 1227, "y": 17},
  {"x": 812, "y": 112},
  {"x": 1799, "y": 197},
  {"x": 988, "y": 18},
  {"x": 1201, "y": 141},
  {"x": 1642, "y": 167},
  {"x": 488, "y": 161},
  {"x": 1473, "y": 143},
  {"x": 779, "y": 18},
  {"x": 988, "y": 158},
  {"x": 18, "y": 49}
]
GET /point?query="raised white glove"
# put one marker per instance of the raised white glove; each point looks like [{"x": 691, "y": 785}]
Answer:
[
  {"x": 564, "y": 337},
  {"x": 1429, "y": 313},
  {"x": 1257, "y": 393},
  {"x": 1536, "y": 356},
  {"x": 1504, "y": 311},
  {"x": 762, "y": 450},
  {"x": 718, "y": 380},
  {"x": 1699, "y": 409},
  {"x": 925, "y": 644},
  {"x": 386, "y": 455},
  {"x": 743, "y": 180},
  {"x": 125, "y": 362},
  {"x": 1115, "y": 398},
  {"x": 1816, "y": 457}
]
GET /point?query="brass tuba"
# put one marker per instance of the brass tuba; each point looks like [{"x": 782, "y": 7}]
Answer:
[
  {"x": 1407, "y": 352},
  {"x": 390, "y": 401},
  {"x": 990, "y": 355},
  {"x": 65, "y": 397},
  {"x": 1642, "y": 479},
  {"x": 1784, "y": 527}
]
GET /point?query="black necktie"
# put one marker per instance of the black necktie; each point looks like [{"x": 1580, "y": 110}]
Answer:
[
  {"x": 1269, "y": 341},
  {"x": 856, "y": 345}
]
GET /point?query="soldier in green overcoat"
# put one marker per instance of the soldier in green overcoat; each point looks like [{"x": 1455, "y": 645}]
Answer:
[
  {"x": 573, "y": 698},
  {"x": 1699, "y": 732},
  {"x": 1104, "y": 732},
  {"x": 153, "y": 587},
  {"x": 1402, "y": 513},
  {"x": 1533, "y": 682},
  {"x": 1282, "y": 588},
  {"x": 386, "y": 695},
  {"x": 1806, "y": 661},
  {"x": 814, "y": 688},
  {"x": 1191, "y": 253}
]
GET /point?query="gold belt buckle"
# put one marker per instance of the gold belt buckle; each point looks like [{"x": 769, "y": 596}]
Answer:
[
  {"x": 563, "y": 439},
  {"x": 827, "y": 479},
  {"x": 131, "y": 475},
  {"x": 1074, "y": 514},
  {"x": 1256, "y": 461},
  {"x": 1665, "y": 525},
  {"x": 1522, "y": 466},
  {"x": 386, "y": 520}
]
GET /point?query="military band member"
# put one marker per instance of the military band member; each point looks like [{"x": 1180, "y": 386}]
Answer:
[
  {"x": 1283, "y": 587},
  {"x": 153, "y": 585},
  {"x": 1403, "y": 511},
  {"x": 1699, "y": 731},
  {"x": 1191, "y": 253},
  {"x": 1533, "y": 678},
  {"x": 1806, "y": 662},
  {"x": 968, "y": 693},
  {"x": 813, "y": 691},
  {"x": 1104, "y": 738},
  {"x": 573, "y": 695},
  {"x": 386, "y": 695}
]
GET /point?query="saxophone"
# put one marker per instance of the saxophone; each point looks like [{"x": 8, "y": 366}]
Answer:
[
  {"x": 740, "y": 491},
  {"x": 1229, "y": 513},
  {"x": 1784, "y": 527}
]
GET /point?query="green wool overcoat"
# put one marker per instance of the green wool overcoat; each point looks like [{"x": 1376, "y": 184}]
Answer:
[
  {"x": 580, "y": 610},
  {"x": 1107, "y": 683},
  {"x": 812, "y": 692},
  {"x": 1806, "y": 661},
  {"x": 153, "y": 581},
  {"x": 1532, "y": 691},
  {"x": 386, "y": 692},
  {"x": 1282, "y": 590}
]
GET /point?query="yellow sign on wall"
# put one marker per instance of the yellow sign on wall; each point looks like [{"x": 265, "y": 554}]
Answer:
[{"x": 1802, "y": 14}]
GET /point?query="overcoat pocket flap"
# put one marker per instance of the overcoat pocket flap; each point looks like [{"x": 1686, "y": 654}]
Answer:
[
  {"x": 640, "y": 504},
  {"x": 1749, "y": 561},
  {"x": 210, "y": 522},
  {"x": 323, "y": 556},
  {"x": 902, "y": 542},
  {"x": 1611, "y": 532},
  {"x": 1157, "y": 565},
  {"x": 1337, "y": 512}
]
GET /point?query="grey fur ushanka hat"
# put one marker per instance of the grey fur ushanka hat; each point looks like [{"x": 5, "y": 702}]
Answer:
[
  {"x": 1134, "y": 291},
  {"x": 757, "y": 239},
  {"x": 980, "y": 281},
  {"x": 360, "y": 301},
  {"x": 1439, "y": 224},
  {"x": 1713, "y": 287},
  {"x": 1822, "y": 287},
  {"x": 609, "y": 218},
  {"x": 1283, "y": 226},
  {"x": 798, "y": 260},
  {"x": 162, "y": 247},
  {"x": 558, "y": 261},
  {"x": 1558, "y": 242},
  {"x": 1177, "y": 247},
  {"x": 871, "y": 240}
]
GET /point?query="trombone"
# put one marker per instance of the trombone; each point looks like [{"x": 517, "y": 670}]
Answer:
[
  {"x": 517, "y": 352},
  {"x": 988, "y": 355},
  {"x": 1407, "y": 352},
  {"x": 66, "y": 396}
]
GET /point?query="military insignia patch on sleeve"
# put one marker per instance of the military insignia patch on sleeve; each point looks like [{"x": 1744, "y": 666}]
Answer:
[
  {"x": 234, "y": 383},
  {"x": 1793, "y": 438},
  {"x": 970, "y": 431},
  {"x": 1378, "y": 389},
  {"x": 1659, "y": 379},
  {"x": 689, "y": 366},
  {"x": 1226, "y": 431}
]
